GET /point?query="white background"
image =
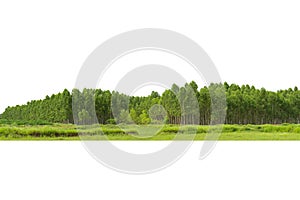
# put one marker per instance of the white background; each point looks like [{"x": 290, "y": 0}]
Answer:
[
  {"x": 42, "y": 47},
  {"x": 234, "y": 170}
]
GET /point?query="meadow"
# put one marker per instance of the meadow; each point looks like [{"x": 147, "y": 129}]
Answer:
[{"x": 57, "y": 131}]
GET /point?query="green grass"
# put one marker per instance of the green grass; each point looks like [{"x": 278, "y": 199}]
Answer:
[{"x": 152, "y": 132}]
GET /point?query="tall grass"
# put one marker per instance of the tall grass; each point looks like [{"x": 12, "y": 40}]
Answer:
[{"x": 70, "y": 130}]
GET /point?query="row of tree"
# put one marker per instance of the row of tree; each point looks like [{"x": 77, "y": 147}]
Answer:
[
  {"x": 57, "y": 108},
  {"x": 248, "y": 105},
  {"x": 217, "y": 103}
]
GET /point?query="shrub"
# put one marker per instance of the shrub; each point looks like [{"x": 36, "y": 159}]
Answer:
[
  {"x": 170, "y": 129},
  {"x": 230, "y": 128},
  {"x": 278, "y": 128},
  {"x": 296, "y": 130},
  {"x": 202, "y": 129},
  {"x": 111, "y": 121}
]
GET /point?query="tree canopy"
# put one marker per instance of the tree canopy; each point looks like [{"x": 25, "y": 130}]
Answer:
[{"x": 187, "y": 105}]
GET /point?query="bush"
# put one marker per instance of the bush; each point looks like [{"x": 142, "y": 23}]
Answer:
[
  {"x": 202, "y": 129},
  {"x": 170, "y": 129},
  {"x": 230, "y": 128},
  {"x": 246, "y": 128},
  {"x": 278, "y": 128},
  {"x": 296, "y": 130},
  {"x": 111, "y": 121},
  {"x": 269, "y": 129}
]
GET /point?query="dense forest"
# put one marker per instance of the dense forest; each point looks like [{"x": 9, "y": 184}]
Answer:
[{"x": 245, "y": 105}]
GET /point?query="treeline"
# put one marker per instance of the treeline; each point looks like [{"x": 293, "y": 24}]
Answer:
[
  {"x": 187, "y": 105},
  {"x": 248, "y": 105},
  {"x": 57, "y": 108}
]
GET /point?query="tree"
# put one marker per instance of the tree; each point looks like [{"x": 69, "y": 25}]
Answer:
[
  {"x": 84, "y": 117},
  {"x": 245, "y": 105},
  {"x": 144, "y": 118},
  {"x": 124, "y": 117}
]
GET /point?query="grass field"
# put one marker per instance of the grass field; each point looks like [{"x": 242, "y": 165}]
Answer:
[{"x": 151, "y": 132}]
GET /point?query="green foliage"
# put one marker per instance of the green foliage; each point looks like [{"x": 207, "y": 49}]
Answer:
[
  {"x": 124, "y": 117},
  {"x": 111, "y": 121},
  {"x": 22, "y": 122},
  {"x": 230, "y": 128},
  {"x": 144, "y": 118},
  {"x": 296, "y": 130},
  {"x": 84, "y": 117},
  {"x": 56, "y": 108},
  {"x": 245, "y": 105},
  {"x": 168, "y": 132}
]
